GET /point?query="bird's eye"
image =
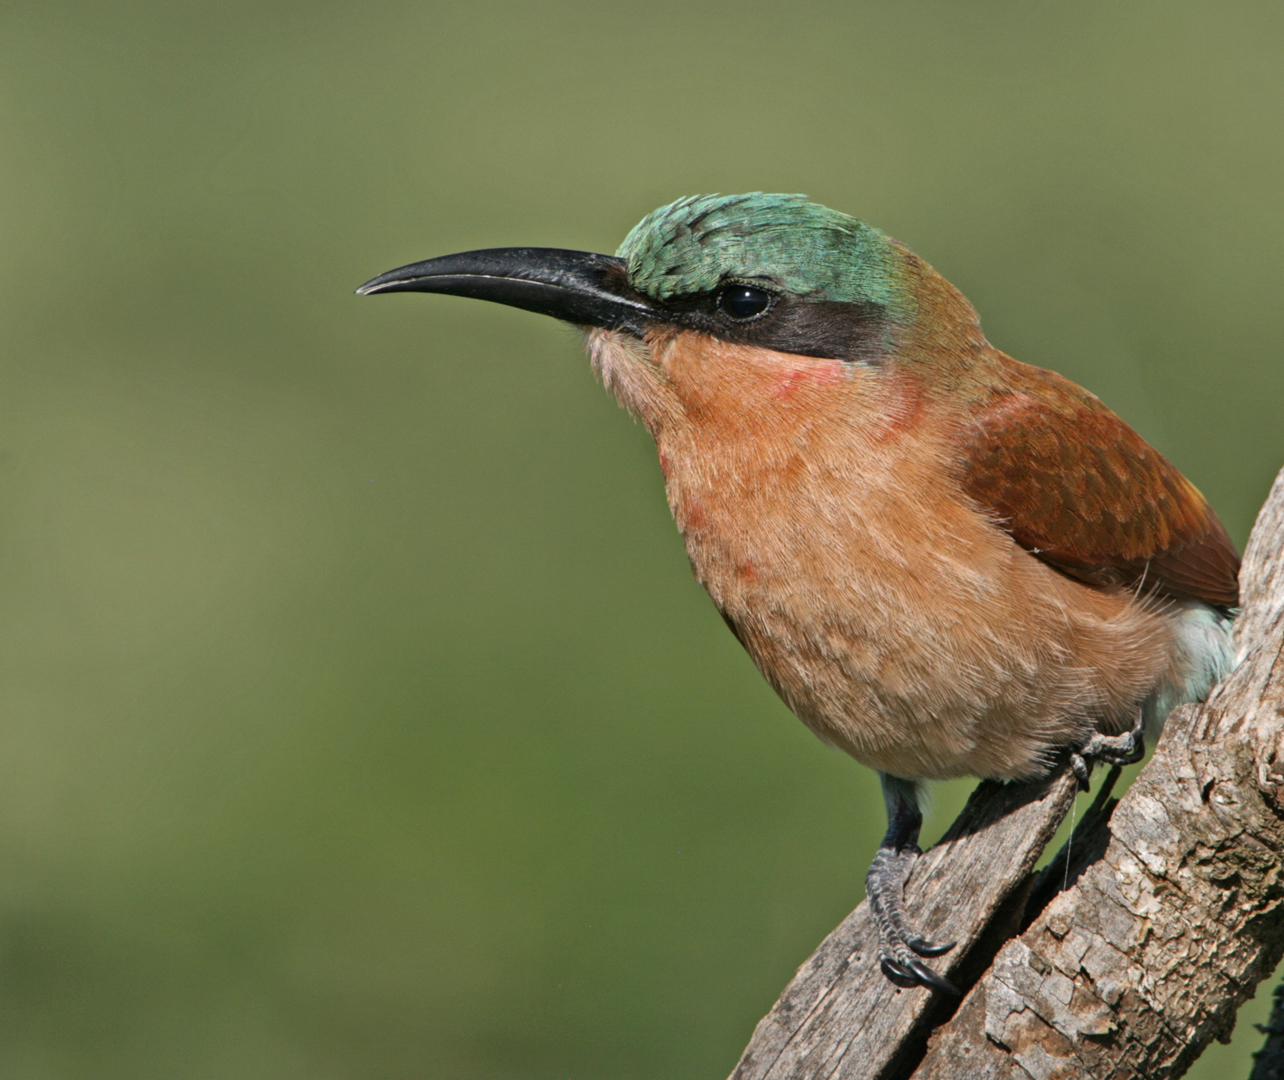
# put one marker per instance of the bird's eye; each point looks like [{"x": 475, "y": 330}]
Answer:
[{"x": 744, "y": 302}]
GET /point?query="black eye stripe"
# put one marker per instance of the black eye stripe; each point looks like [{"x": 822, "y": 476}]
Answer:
[
  {"x": 806, "y": 326},
  {"x": 744, "y": 302}
]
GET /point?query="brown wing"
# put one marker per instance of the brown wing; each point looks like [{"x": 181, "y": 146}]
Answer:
[{"x": 1080, "y": 489}]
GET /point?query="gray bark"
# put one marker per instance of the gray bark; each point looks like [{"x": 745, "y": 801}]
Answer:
[{"x": 1128, "y": 955}]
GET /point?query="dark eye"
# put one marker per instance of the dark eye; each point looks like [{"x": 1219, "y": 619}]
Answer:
[{"x": 744, "y": 302}]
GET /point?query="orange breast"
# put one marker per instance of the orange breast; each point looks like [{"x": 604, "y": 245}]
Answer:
[{"x": 820, "y": 512}]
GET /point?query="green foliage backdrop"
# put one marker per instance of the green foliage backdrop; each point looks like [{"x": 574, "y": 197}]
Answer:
[{"x": 359, "y": 716}]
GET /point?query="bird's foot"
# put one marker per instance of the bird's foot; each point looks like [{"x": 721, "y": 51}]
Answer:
[
  {"x": 1126, "y": 749},
  {"x": 901, "y": 947}
]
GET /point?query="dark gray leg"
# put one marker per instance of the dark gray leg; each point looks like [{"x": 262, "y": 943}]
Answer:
[
  {"x": 1126, "y": 749},
  {"x": 884, "y": 885}
]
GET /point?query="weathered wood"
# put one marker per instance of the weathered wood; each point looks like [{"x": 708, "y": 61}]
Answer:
[
  {"x": 1175, "y": 908},
  {"x": 840, "y": 1017}
]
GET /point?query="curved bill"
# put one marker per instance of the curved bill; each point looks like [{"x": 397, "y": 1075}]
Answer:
[{"x": 578, "y": 286}]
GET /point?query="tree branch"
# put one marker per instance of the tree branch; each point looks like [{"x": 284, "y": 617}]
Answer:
[{"x": 1174, "y": 913}]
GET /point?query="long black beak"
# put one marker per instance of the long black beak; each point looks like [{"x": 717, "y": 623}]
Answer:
[{"x": 577, "y": 286}]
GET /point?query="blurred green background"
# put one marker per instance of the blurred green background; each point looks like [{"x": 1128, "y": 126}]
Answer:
[{"x": 359, "y": 715}]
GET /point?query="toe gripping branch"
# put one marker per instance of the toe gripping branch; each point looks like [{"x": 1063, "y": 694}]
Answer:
[
  {"x": 1126, "y": 749},
  {"x": 885, "y": 885}
]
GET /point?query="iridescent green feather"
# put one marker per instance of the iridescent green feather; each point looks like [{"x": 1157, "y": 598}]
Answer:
[{"x": 692, "y": 245}]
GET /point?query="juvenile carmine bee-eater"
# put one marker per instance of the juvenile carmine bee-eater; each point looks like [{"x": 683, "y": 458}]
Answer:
[{"x": 946, "y": 562}]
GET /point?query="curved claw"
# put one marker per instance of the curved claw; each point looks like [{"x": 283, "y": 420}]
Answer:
[
  {"x": 897, "y": 972},
  {"x": 925, "y": 948},
  {"x": 930, "y": 978},
  {"x": 913, "y": 972}
]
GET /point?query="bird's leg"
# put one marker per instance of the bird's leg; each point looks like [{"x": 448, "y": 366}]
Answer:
[
  {"x": 885, "y": 883},
  {"x": 1126, "y": 749}
]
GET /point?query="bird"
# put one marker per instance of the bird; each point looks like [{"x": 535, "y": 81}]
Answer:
[{"x": 946, "y": 562}]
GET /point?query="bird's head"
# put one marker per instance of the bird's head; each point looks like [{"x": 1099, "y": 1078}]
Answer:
[
  {"x": 767, "y": 272},
  {"x": 775, "y": 271}
]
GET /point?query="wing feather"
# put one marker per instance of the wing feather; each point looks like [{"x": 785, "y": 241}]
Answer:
[{"x": 1078, "y": 488}]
